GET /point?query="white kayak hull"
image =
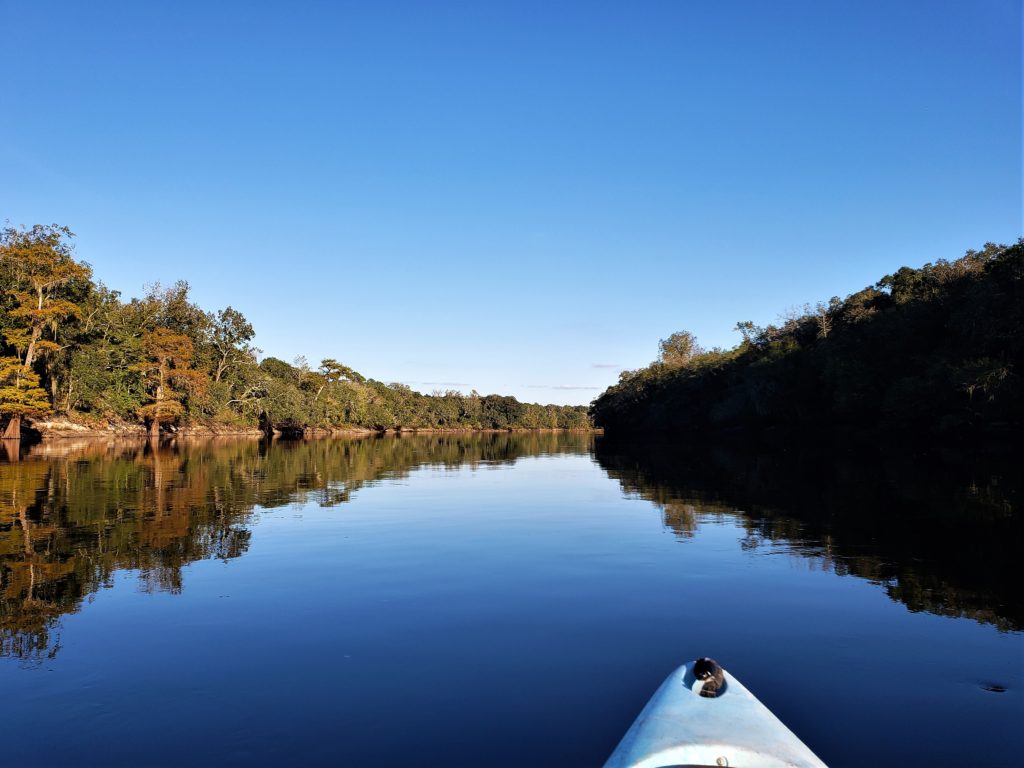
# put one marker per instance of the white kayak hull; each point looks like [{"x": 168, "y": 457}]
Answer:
[{"x": 680, "y": 727}]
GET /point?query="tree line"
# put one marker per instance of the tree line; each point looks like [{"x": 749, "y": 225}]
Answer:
[
  {"x": 924, "y": 352},
  {"x": 71, "y": 346}
]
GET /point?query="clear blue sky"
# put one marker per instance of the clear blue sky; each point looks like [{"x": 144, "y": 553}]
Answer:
[{"x": 515, "y": 197}]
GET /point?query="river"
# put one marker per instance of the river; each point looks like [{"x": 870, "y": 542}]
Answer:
[{"x": 498, "y": 599}]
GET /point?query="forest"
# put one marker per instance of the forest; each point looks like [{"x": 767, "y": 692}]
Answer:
[
  {"x": 73, "y": 348},
  {"x": 922, "y": 354}
]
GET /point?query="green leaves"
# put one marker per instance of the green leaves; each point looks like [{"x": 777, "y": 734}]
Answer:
[
  {"x": 932, "y": 350},
  {"x": 20, "y": 392},
  {"x": 162, "y": 358}
]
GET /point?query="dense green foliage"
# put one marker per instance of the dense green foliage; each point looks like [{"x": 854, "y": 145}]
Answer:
[
  {"x": 923, "y": 352},
  {"x": 72, "y": 346}
]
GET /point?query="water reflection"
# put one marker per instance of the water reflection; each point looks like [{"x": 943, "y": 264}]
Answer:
[
  {"x": 73, "y": 514},
  {"x": 942, "y": 537}
]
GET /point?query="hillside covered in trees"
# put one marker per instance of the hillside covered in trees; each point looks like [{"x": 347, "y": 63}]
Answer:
[
  {"x": 71, "y": 346},
  {"x": 923, "y": 352}
]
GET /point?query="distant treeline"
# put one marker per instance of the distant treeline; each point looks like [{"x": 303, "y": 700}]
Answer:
[
  {"x": 70, "y": 345},
  {"x": 923, "y": 352}
]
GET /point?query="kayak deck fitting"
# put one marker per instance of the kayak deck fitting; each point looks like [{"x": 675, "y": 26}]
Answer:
[{"x": 680, "y": 727}]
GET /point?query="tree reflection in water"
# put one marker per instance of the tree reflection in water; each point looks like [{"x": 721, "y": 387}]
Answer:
[
  {"x": 74, "y": 513},
  {"x": 939, "y": 536}
]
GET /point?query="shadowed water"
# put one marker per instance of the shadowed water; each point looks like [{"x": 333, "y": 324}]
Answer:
[{"x": 495, "y": 600}]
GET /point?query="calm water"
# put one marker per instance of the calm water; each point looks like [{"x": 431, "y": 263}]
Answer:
[{"x": 494, "y": 600}]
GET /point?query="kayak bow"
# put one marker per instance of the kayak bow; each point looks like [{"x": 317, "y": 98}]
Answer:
[{"x": 680, "y": 727}]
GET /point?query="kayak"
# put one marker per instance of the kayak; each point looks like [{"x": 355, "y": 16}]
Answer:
[{"x": 692, "y": 721}]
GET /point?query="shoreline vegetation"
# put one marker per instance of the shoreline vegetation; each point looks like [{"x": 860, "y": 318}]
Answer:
[
  {"x": 76, "y": 358},
  {"x": 923, "y": 355}
]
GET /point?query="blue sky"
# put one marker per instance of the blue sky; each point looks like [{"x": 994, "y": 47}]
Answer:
[{"x": 521, "y": 197}]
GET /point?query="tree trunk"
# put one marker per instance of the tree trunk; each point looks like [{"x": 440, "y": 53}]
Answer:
[
  {"x": 37, "y": 333},
  {"x": 222, "y": 365},
  {"x": 266, "y": 425},
  {"x": 158, "y": 401},
  {"x": 13, "y": 431},
  {"x": 71, "y": 386}
]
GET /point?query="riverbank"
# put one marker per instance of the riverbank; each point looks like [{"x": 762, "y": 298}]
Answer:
[{"x": 65, "y": 428}]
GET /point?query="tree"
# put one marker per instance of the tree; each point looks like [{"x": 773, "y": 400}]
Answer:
[
  {"x": 230, "y": 337},
  {"x": 37, "y": 263},
  {"x": 20, "y": 394},
  {"x": 678, "y": 349},
  {"x": 925, "y": 351},
  {"x": 170, "y": 307},
  {"x": 168, "y": 375},
  {"x": 99, "y": 378},
  {"x": 334, "y": 372},
  {"x": 279, "y": 369}
]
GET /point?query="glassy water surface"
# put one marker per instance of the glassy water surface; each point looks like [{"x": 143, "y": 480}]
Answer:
[{"x": 494, "y": 600}]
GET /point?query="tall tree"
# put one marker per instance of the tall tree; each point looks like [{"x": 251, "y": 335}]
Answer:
[
  {"x": 230, "y": 337},
  {"x": 20, "y": 395},
  {"x": 678, "y": 349},
  {"x": 333, "y": 372},
  {"x": 168, "y": 375},
  {"x": 37, "y": 264}
]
